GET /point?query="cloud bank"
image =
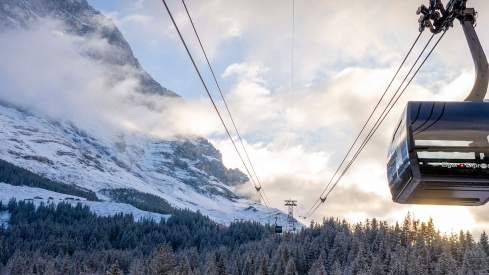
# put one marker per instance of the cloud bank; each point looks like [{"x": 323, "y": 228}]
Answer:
[
  {"x": 296, "y": 137},
  {"x": 60, "y": 78},
  {"x": 345, "y": 52}
]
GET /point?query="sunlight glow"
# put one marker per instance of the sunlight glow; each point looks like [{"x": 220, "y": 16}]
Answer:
[{"x": 447, "y": 219}]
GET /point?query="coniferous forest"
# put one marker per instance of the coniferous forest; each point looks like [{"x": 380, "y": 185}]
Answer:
[{"x": 66, "y": 239}]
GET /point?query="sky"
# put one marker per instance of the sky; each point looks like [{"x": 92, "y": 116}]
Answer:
[
  {"x": 297, "y": 131},
  {"x": 297, "y": 124}
]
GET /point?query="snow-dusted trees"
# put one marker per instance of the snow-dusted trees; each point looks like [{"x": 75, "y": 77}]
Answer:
[
  {"x": 163, "y": 261},
  {"x": 67, "y": 239}
]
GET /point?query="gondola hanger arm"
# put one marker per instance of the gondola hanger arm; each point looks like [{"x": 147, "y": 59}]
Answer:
[
  {"x": 438, "y": 18},
  {"x": 479, "y": 89}
]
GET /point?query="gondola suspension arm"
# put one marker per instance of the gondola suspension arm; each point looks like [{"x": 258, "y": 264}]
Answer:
[
  {"x": 479, "y": 90},
  {"x": 438, "y": 150},
  {"x": 438, "y": 18}
]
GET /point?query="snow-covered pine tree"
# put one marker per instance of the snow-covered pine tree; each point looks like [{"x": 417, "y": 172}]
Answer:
[
  {"x": 318, "y": 267},
  {"x": 291, "y": 269},
  {"x": 115, "y": 269},
  {"x": 484, "y": 242},
  {"x": 163, "y": 260}
]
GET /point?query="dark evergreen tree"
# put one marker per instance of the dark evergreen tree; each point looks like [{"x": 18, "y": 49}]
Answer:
[
  {"x": 210, "y": 266},
  {"x": 484, "y": 242},
  {"x": 475, "y": 261},
  {"x": 263, "y": 267},
  {"x": 18, "y": 176},
  {"x": 115, "y": 269},
  {"x": 138, "y": 267},
  {"x": 184, "y": 267},
  {"x": 220, "y": 266},
  {"x": 163, "y": 261},
  {"x": 290, "y": 268},
  {"x": 318, "y": 267},
  {"x": 67, "y": 239},
  {"x": 446, "y": 264}
]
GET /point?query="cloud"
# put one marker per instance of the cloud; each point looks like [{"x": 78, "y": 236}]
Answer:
[
  {"x": 328, "y": 36},
  {"x": 294, "y": 138},
  {"x": 303, "y": 136},
  {"x": 345, "y": 52},
  {"x": 344, "y": 55},
  {"x": 63, "y": 80}
]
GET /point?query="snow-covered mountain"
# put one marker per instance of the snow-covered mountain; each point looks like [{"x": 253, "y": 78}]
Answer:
[
  {"x": 186, "y": 172},
  {"x": 79, "y": 18},
  {"x": 101, "y": 208}
]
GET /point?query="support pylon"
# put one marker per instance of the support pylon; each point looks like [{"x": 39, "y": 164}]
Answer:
[{"x": 290, "y": 218}]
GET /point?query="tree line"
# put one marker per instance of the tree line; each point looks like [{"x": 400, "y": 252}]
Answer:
[
  {"x": 66, "y": 239},
  {"x": 19, "y": 176}
]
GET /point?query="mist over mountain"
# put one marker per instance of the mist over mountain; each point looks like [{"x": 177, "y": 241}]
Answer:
[
  {"x": 79, "y": 18},
  {"x": 77, "y": 74}
]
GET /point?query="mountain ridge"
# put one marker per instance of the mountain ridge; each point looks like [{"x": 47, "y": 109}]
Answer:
[
  {"x": 186, "y": 172},
  {"x": 81, "y": 19}
]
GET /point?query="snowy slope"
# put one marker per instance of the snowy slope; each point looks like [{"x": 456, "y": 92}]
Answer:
[
  {"x": 4, "y": 218},
  {"x": 186, "y": 173},
  {"x": 37, "y": 196}
]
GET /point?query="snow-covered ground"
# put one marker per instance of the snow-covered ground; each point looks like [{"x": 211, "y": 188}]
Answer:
[
  {"x": 4, "y": 218},
  {"x": 38, "y": 195},
  {"x": 64, "y": 153},
  {"x": 186, "y": 172},
  {"x": 108, "y": 208}
]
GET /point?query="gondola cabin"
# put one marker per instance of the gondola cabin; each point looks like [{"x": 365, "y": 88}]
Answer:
[
  {"x": 439, "y": 154},
  {"x": 278, "y": 229}
]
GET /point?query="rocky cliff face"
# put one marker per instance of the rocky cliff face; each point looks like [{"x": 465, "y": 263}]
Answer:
[
  {"x": 63, "y": 152},
  {"x": 81, "y": 19},
  {"x": 187, "y": 172}
]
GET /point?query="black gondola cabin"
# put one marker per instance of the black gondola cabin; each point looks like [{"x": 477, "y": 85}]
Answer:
[{"x": 439, "y": 154}]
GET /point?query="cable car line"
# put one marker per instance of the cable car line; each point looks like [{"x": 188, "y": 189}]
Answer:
[
  {"x": 380, "y": 120},
  {"x": 209, "y": 95},
  {"x": 258, "y": 186},
  {"x": 369, "y": 117},
  {"x": 292, "y": 42},
  {"x": 405, "y": 165},
  {"x": 386, "y": 114},
  {"x": 458, "y": 181},
  {"x": 364, "y": 127},
  {"x": 412, "y": 78}
]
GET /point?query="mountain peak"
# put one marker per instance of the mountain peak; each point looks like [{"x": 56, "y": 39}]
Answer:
[
  {"x": 187, "y": 172},
  {"x": 79, "y": 18}
]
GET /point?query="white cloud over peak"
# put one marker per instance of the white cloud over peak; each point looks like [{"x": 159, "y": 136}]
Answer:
[
  {"x": 344, "y": 55},
  {"x": 63, "y": 81}
]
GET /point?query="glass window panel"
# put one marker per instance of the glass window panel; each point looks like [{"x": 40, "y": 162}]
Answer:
[
  {"x": 446, "y": 155},
  {"x": 394, "y": 143},
  {"x": 405, "y": 151},
  {"x": 425, "y": 142}
]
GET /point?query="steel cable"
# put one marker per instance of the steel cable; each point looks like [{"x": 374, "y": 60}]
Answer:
[
  {"x": 368, "y": 119},
  {"x": 389, "y": 107},
  {"x": 210, "y": 96},
  {"x": 209, "y": 65}
]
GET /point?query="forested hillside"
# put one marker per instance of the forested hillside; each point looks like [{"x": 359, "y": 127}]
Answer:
[
  {"x": 22, "y": 177},
  {"x": 61, "y": 150},
  {"x": 65, "y": 239}
]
